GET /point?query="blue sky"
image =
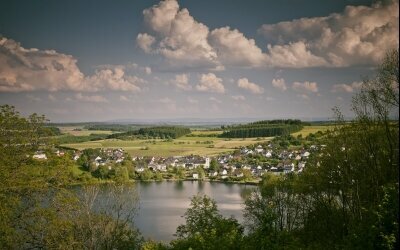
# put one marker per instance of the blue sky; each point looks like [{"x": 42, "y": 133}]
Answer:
[{"x": 106, "y": 60}]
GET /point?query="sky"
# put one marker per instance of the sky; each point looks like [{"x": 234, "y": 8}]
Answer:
[{"x": 79, "y": 61}]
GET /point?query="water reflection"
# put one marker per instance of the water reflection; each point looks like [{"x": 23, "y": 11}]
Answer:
[
  {"x": 200, "y": 185},
  {"x": 162, "y": 204},
  {"x": 245, "y": 193},
  {"x": 178, "y": 186}
]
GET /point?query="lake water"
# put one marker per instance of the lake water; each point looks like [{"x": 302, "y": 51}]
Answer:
[{"x": 162, "y": 204}]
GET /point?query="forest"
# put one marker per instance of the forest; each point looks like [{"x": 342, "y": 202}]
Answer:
[
  {"x": 113, "y": 127},
  {"x": 162, "y": 132},
  {"x": 265, "y": 128}
]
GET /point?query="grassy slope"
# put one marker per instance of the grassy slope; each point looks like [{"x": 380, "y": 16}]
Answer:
[
  {"x": 84, "y": 132},
  {"x": 181, "y": 146},
  {"x": 312, "y": 129},
  {"x": 185, "y": 145}
]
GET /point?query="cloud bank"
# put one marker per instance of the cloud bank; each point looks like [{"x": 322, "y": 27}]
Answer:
[
  {"x": 358, "y": 36},
  {"x": 32, "y": 69}
]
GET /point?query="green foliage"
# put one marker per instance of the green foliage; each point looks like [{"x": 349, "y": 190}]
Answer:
[
  {"x": 38, "y": 210},
  {"x": 200, "y": 172},
  {"x": 214, "y": 165},
  {"x": 112, "y": 127},
  {"x": 146, "y": 175},
  {"x": 153, "y": 245},
  {"x": 158, "y": 176},
  {"x": 262, "y": 129},
  {"x": 65, "y": 139},
  {"x": 121, "y": 174},
  {"x": 180, "y": 173},
  {"x": 163, "y": 132},
  {"x": 50, "y": 131},
  {"x": 205, "y": 228},
  {"x": 348, "y": 195}
]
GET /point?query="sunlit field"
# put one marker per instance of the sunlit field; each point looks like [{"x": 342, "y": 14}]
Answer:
[
  {"x": 196, "y": 143},
  {"x": 182, "y": 146},
  {"x": 313, "y": 129},
  {"x": 80, "y": 131}
]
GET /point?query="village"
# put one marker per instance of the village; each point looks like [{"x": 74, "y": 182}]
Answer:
[{"x": 244, "y": 164}]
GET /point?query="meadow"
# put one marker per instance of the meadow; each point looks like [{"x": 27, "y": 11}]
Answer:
[
  {"x": 196, "y": 143},
  {"x": 313, "y": 129},
  {"x": 80, "y": 131}
]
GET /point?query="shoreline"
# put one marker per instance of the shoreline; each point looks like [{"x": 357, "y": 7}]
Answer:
[{"x": 97, "y": 181}]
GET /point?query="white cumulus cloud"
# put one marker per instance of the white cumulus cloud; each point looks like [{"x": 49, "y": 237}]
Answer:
[
  {"x": 32, "y": 69},
  {"x": 279, "y": 83},
  {"x": 181, "y": 81},
  {"x": 235, "y": 49},
  {"x": 145, "y": 41},
  {"x": 307, "y": 87},
  {"x": 359, "y": 35},
  {"x": 244, "y": 83},
  {"x": 238, "y": 97},
  {"x": 210, "y": 83},
  {"x": 349, "y": 88},
  {"x": 91, "y": 98},
  {"x": 178, "y": 37},
  {"x": 213, "y": 99}
]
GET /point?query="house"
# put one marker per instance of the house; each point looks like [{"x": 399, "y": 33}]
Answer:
[
  {"x": 60, "y": 153},
  {"x": 288, "y": 167},
  {"x": 98, "y": 158},
  {"x": 306, "y": 154},
  {"x": 244, "y": 151},
  {"x": 195, "y": 176},
  {"x": 301, "y": 166},
  {"x": 207, "y": 162},
  {"x": 224, "y": 172},
  {"x": 268, "y": 154},
  {"x": 162, "y": 167},
  {"x": 246, "y": 167},
  {"x": 213, "y": 174},
  {"x": 239, "y": 175},
  {"x": 189, "y": 166},
  {"x": 76, "y": 157},
  {"x": 274, "y": 169},
  {"x": 152, "y": 166},
  {"x": 140, "y": 169},
  {"x": 259, "y": 149},
  {"x": 39, "y": 156}
]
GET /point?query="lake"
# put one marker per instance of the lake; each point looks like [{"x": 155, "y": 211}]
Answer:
[{"x": 163, "y": 204}]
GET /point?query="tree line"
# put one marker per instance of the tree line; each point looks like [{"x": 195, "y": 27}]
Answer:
[
  {"x": 260, "y": 130},
  {"x": 162, "y": 132},
  {"x": 113, "y": 127}
]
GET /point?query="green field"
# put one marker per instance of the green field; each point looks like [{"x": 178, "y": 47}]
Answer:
[
  {"x": 185, "y": 145},
  {"x": 80, "y": 131},
  {"x": 313, "y": 129}
]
